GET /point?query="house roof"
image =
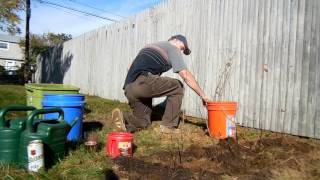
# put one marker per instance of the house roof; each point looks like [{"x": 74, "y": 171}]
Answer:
[{"x": 8, "y": 38}]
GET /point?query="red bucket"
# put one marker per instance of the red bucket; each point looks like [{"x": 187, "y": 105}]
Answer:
[
  {"x": 119, "y": 144},
  {"x": 221, "y": 119}
]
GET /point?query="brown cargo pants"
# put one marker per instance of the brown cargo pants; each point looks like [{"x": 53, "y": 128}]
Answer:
[{"x": 144, "y": 88}]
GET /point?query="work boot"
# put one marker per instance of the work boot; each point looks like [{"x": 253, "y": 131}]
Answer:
[
  {"x": 122, "y": 121},
  {"x": 129, "y": 126},
  {"x": 118, "y": 120},
  {"x": 169, "y": 130}
]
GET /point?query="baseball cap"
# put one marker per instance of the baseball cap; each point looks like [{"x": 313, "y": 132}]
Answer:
[{"x": 183, "y": 39}]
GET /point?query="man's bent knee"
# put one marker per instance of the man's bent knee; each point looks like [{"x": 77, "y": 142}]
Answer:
[{"x": 180, "y": 88}]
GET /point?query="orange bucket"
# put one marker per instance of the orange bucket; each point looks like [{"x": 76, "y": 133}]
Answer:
[{"x": 221, "y": 119}]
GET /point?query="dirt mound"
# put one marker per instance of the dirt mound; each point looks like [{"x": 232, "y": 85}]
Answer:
[
  {"x": 245, "y": 160},
  {"x": 139, "y": 169}
]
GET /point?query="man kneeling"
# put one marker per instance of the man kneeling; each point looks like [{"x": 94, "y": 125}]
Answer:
[{"x": 144, "y": 82}]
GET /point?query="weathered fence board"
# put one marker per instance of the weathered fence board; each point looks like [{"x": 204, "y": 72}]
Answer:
[{"x": 273, "y": 44}]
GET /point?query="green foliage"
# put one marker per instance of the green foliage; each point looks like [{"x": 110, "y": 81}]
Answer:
[
  {"x": 2, "y": 70},
  {"x": 9, "y": 18},
  {"x": 41, "y": 43},
  {"x": 55, "y": 39}
]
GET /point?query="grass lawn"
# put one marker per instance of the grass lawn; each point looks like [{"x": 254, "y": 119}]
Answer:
[
  {"x": 191, "y": 155},
  {"x": 80, "y": 163}
]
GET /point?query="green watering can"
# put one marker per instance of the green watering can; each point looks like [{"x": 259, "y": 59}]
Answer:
[
  {"x": 52, "y": 133},
  {"x": 10, "y": 131}
]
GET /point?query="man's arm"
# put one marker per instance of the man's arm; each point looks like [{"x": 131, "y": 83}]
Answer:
[{"x": 189, "y": 79}]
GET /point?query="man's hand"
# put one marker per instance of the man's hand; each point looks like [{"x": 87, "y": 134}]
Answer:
[{"x": 205, "y": 100}]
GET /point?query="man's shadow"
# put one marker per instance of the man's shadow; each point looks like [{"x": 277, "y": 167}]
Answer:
[{"x": 158, "y": 111}]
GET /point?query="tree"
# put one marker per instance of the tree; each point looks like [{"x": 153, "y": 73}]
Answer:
[
  {"x": 56, "y": 39},
  {"x": 2, "y": 70},
  {"x": 41, "y": 43},
  {"x": 9, "y": 18}
]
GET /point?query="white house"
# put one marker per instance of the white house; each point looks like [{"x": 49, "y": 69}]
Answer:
[{"x": 11, "y": 55}]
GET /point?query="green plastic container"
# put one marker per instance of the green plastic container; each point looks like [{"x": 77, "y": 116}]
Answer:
[
  {"x": 36, "y": 92},
  {"x": 10, "y": 131},
  {"x": 52, "y": 133}
]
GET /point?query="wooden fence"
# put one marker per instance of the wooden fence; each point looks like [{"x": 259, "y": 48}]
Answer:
[{"x": 273, "y": 45}]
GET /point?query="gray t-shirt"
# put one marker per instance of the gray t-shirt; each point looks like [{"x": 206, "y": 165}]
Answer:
[
  {"x": 174, "y": 56},
  {"x": 156, "y": 59}
]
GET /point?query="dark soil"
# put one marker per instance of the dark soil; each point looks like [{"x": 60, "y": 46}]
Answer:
[
  {"x": 253, "y": 156},
  {"x": 245, "y": 160}
]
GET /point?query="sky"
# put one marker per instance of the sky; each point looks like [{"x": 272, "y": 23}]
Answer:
[{"x": 50, "y": 18}]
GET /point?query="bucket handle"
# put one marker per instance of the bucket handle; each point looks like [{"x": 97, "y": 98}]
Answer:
[
  {"x": 43, "y": 111},
  {"x": 7, "y": 109},
  {"x": 74, "y": 122}
]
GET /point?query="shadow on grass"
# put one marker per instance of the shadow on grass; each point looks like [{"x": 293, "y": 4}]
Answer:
[
  {"x": 198, "y": 123},
  {"x": 110, "y": 175},
  {"x": 158, "y": 111},
  {"x": 92, "y": 126},
  {"x": 86, "y": 110},
  {"x": 89, "y": 128}
]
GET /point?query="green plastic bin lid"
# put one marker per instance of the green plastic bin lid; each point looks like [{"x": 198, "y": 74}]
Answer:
[{"x": 46, "y": 87}]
